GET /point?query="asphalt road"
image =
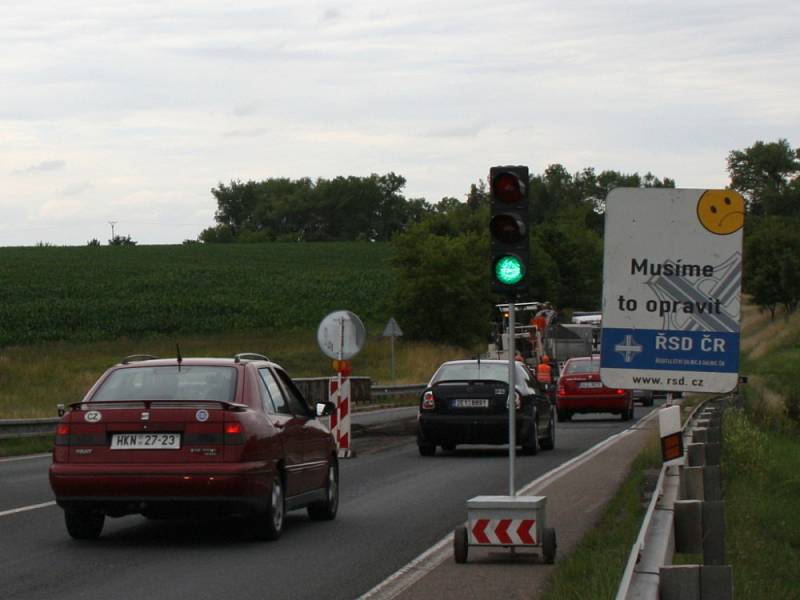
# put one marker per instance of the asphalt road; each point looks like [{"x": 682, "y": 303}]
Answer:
[{"x": 394, "y": 505}]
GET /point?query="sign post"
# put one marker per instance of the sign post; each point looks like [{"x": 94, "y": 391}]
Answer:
[
  {"x": 341, "y": 336},
  {"x": 392, "y": 331},
  {"x": 672, "y": 275}
]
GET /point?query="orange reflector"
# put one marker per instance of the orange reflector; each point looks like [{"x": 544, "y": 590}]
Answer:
[{"x": 672, "y": 446}]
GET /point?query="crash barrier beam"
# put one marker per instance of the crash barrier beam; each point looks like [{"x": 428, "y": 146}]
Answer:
[
  {"x": 314, "y": 389},
  {"x": 685, "y": 515}
]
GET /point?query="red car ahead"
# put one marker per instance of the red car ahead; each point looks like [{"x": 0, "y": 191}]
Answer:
[
  {"x": 204, "y": 435},
  {"x": 581, "y": 391}
]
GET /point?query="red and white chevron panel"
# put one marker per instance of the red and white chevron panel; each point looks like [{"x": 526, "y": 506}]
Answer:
[
  {"x": 503, "y": 532},
  {"x": 340, "y": 419}
]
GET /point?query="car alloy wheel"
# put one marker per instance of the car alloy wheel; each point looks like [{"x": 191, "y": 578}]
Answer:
[
  {"x": 325, "y": 510},
  {"x": 269, "y": 524}
]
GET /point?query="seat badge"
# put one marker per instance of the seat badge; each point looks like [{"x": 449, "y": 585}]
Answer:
[
  {"x": 201, "y": 415},
  {"x": 145, "y": 416}
]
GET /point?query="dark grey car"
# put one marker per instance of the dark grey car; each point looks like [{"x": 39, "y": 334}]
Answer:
[{"x": 466, "y": 403}]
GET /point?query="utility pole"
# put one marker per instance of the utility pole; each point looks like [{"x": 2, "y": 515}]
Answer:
[{"x": 112, "y": 223}]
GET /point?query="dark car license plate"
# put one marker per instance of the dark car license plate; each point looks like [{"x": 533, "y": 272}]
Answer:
[{"x": 470, "y": 403}]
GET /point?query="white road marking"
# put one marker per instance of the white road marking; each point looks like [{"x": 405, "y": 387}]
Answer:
[
  {"x": 26, "y": 457},
  {"x": 406, "y": 576},
  {"x": 14, "y": 511}
]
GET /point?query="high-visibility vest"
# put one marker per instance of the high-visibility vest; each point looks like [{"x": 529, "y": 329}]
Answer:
[{"x": 544, "y": 374}]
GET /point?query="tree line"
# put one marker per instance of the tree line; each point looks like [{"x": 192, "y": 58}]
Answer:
[{"x": 440, "y": 250}]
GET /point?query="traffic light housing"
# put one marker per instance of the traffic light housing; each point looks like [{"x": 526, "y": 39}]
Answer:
[{"x": 509, "y": 229}]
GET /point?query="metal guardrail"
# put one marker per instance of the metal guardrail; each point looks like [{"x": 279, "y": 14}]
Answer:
[
  {"x": 655, "y": 544},
  {"x": 398, "y": 390},
  {"x": 20, "y": 428}
]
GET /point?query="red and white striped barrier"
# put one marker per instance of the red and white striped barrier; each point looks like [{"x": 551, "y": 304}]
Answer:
[
  {"x": 340, "y": 419},
  {"x": 503, "y": 532}
]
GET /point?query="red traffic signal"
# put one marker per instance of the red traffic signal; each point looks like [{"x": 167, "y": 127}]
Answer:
[{"x": 508, "y": 187}]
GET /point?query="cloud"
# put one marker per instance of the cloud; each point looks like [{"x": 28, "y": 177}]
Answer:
[
  {"x": 46, "y": 166},
  {"x": 77, "y": 188},
  {"x": 245, "y": 133}
]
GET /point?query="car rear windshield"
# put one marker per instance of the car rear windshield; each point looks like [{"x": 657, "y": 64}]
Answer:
[
  {"x": 582, "y": 366},
  {"x": 168, "y": 383},
  {"x": 476, "y": 371}
]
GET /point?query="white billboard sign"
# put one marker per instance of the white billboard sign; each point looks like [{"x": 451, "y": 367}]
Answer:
[{"x": 672, "y": 275}]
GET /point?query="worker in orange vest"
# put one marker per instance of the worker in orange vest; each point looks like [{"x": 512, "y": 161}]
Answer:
[{"x": 544, "y": 372}]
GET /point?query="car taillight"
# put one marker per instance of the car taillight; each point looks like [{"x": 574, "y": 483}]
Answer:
[
  {"x": 62, "y": 434},
  {"x": 620, "y": 392},
  {"x": 234, "y": 433},
  {"x": 428, "y": 401},
  {"x": 561, "y": 389}
]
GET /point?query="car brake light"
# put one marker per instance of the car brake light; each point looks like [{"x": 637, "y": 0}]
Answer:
[
  {"x": 233, "y": 428},
  {"x": 428, "y": 401},
  {"x": 62, "y": 434},
  {"x": 620, "y": 392}
]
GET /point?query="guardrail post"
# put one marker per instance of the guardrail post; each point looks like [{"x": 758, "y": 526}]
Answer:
[
  {"x": 713, "y": 455},
  {"x": 692, "y": 481},
  {"x": 714, "y": 532},
  {"x": 712, "y": 483},
  {"x": 679, "y": 582},
  {"x": 688, "y": 526},
  {"x": 696, "y": 454},
  {"x": 716, "y": 582}
]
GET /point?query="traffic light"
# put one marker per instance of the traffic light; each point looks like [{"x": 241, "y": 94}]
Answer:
[{"x": 508, "y": 228}]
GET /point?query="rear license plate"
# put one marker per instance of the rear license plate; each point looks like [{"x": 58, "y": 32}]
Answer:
[
  {"x": 591, "y": 384},
  {"x": 146, "y": 441},
  {"x": 471, "y": 403}
]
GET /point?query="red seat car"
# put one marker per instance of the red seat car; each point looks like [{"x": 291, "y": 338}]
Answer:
[
  {"x": 581, "y": 391},
  {"x": 203, "y": 435}
]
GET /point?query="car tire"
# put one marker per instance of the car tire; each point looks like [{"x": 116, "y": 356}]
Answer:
[
  {"x": 269, "y": 524},
  {"x": 325, "y": 510},
  {"x": 627, "y": 414},
  {"x": 549, "y": 442},
  {"x": 426, "y": 448},
  {"x": 549, "y": 545},
  {"x": 84, "y": 524},
  {"x": 460, "y": 546},
  {"x": 531, "y": 445}
]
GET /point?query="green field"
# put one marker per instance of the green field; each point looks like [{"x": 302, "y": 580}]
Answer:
[{"x": 103, "y": 293}]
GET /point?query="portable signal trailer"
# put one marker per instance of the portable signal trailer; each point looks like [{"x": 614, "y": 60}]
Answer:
[{"x": 507, "y": 522}]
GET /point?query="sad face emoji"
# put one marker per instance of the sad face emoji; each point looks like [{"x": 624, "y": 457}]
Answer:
[{"x": 721, "y": 211}]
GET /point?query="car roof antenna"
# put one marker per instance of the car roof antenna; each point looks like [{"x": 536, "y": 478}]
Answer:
[{"x": 178, "y": 353}]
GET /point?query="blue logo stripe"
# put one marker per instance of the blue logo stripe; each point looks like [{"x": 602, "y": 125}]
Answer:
[{"x": 652, "y": 349}]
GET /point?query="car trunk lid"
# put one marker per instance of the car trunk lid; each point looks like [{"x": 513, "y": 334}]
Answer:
[{"x": 147, "y": 432}]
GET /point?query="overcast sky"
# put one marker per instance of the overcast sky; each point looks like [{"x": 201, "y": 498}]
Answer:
[{"x": 132, "y": 111}]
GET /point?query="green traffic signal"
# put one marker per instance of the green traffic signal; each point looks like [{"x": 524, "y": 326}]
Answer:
[{"x": 509, "y": 270}]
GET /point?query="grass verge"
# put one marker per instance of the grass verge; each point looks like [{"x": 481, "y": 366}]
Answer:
[
  {"x": 593, "y": 570},
  {"x": 35, "y": 378},
  {"x": 762, "y": 486},
  {"x": 29, "y": 445}
]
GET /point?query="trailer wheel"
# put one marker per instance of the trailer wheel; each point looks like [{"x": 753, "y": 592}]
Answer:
[
  {"x": 460, "y": 547},
  {"x": 549, "y": 545}
]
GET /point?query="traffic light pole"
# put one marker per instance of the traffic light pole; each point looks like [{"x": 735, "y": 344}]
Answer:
[{"x": 512, "y": 412}]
